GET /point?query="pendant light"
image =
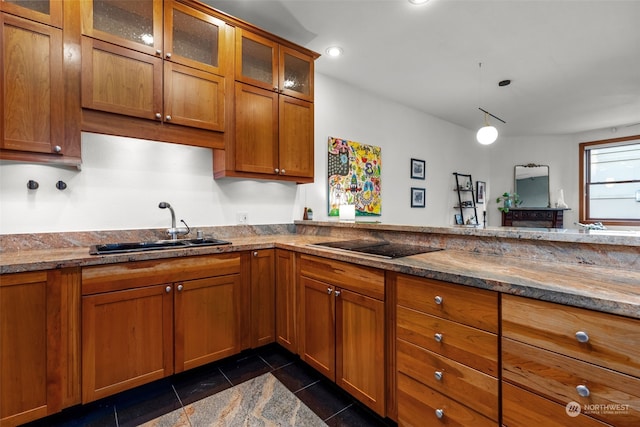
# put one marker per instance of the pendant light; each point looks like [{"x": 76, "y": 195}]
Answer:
[{"x": 487, "y": 134}]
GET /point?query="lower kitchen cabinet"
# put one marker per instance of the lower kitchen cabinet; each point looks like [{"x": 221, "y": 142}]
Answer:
[
  {"x": 446, "y": 352},
  {"x": 342, "y": 320},
  {"x": 286, "y": 301},
  {"x": 39, "y": 344},
  {"x": 145, "y": 320},
  {"x": 263, "y": 303},
  {"x": 578, "y": 362}
]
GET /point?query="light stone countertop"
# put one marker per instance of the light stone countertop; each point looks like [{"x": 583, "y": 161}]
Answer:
[{"x": 603, "y": 275}]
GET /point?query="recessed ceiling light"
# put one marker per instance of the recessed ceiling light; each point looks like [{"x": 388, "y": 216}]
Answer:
[
  {"x": 418, "y": 1},
  {"x": 334, "y": 51}
]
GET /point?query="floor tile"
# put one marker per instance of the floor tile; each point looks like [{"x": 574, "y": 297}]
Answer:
[
  {"x": 199, "y": 383},
  {"x": 324, "y": 398},
  {"x": 357, "y": 415},
  {"x": 243, "y": 368},
  {"x": 144, "y": 403},
  {"x": 297, "y": 375},
  {"x": 276, "y": 356}
]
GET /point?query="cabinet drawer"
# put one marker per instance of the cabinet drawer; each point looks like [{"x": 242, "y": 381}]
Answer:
[
  {"x": 460, "y": 382},
  {"x": 521, "y": 408},
  {"x": 113, "y": 277},
  {"x": 470, "y": 346},
  {"x": 613, "y": 341},
  {"x": 364, "y": 280},
  {"x": 417, "y": 406},
  {"x": 612, "y": 397},
  {"x": 470, "y": 306}
]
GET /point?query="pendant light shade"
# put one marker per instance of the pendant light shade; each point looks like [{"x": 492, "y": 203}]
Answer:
[{"x": 487, "y": 134}]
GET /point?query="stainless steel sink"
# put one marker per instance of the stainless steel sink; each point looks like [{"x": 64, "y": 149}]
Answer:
[{"x": 113, "y": 248}]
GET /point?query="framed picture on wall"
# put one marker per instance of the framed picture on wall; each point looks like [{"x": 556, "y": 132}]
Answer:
[
  {"x": 418, "y": 169},
  {"x": 458, "y": 219},
  {"x": 417, "y": 197},
  {"x": 481, "y": 190}
]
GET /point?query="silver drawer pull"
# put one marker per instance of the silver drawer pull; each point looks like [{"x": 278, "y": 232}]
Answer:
[
  {"x": 438, "y": 299},
  {"x": 438, "y": 375},
  {"x": 180, "y": 287},
  {"x": 337, "y": 293},
  {"x": 438, "y": 337},
  {"x": 329, "y": 291},
  {"x": 439, "y": 413},
  {"x": 167, "y": 289},
  {"x": 583, "y": 391},
  {"x": 582, "y": 336}
]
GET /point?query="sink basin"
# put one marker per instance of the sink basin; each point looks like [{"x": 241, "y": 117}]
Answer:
[{"x": 113, "y": 248}]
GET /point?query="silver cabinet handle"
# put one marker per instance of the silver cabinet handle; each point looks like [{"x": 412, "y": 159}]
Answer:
[
  {"x": 438, "y": 299},
  {"x": 583, "y": 391},
  {"x": 329, "y": 290},
  {"x": 438, "y": 337},
  {"x": 158, "y": 52},
  {"x": 168, "y": 55},
  {"x": 276, "y": 170},
  {"x": 167, "y": 289},
  {"x": 337, "y": 293},
  {"x": 167, "y": 117},
  {"x": 57, "y": 149},
  {"x": 282, "y": 172},
  {"x": 255, "y": 253},
  {"x": 439, "y": 413},
  {"x": 180, "y": 287},
  {"x": 158, "y": 116},
  {"x": 582, "y": 336},
  {"x": 438, "y": 375}
]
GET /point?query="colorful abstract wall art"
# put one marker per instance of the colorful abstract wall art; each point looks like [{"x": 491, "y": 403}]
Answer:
[{"x": 354, "y": 177}]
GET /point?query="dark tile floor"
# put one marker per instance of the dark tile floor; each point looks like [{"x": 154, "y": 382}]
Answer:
[{"x": 145, "y": 403}]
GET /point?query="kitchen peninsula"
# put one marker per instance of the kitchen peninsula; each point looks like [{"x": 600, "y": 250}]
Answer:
[{"x": 595, "y": 275}]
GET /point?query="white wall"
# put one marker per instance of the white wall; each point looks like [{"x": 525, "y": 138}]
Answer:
[{"x": 123, "y": 180}]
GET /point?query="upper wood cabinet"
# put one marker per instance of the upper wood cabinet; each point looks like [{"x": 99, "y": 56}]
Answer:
[
  {"x": 39, "y": 344},
  {"x": 265, "y": 63},
  {"x": 45, "y": 11},
  {"x": 32, "y": 88},
  {"x": 173, "y": 70}
]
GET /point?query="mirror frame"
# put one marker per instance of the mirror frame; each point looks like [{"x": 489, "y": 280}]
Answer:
[{"x": 532, "y": 165}]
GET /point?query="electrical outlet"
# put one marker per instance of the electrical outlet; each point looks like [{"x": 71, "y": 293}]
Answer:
[{"x": 242, "y": 217}]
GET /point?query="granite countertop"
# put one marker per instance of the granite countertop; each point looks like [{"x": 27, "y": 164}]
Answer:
[{"x": 606, "y": 289}]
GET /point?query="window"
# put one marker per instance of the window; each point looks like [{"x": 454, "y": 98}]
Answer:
[{"x": 610, "y": 183}]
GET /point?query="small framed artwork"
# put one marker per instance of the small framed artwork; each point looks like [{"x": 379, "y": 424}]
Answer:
[
  {"x": 418, "y": 169},
  {"x": 417, "y": 197},
  {"x": 458, "y": 219},
  {"x": 481, "y": 190}
]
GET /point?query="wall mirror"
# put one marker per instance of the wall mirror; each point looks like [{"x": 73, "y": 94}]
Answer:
[{"x": 532, "y": 185}]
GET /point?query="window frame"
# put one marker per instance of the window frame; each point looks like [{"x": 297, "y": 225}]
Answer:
[{"x": 584, "y": 165}]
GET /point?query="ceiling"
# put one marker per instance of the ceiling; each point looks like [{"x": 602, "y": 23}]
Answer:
[{"x": 574, "y": 65}]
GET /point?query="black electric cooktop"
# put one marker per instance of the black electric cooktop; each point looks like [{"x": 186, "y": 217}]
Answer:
[{"x": 379, "y": 248}]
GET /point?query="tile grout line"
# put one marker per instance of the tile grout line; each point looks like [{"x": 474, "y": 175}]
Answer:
[
  {"x": 182, "y": 405},
  {"x": 340, "y": 411}
]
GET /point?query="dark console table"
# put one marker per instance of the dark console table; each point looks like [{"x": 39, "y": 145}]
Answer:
[{"x": 534, "y": 217}]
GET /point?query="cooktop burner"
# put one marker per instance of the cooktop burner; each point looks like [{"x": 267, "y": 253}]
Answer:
[{"x": 379, "y": 248}]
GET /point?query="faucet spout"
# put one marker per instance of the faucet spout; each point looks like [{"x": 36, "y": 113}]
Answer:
[{"x": 173, "y": 231}]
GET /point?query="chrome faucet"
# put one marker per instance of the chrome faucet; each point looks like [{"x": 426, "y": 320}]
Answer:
[{"x": 174, "y": 231}]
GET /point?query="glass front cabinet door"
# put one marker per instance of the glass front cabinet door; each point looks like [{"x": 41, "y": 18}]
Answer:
[{"x": 44, "y": 11}]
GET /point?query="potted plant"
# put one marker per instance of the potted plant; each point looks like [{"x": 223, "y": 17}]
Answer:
[{"x": 509, "y": 200}]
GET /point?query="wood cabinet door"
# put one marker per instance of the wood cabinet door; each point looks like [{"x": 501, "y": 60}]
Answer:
[
  {"x": 46, "y": 12},
  {"x": 207, "y": 320},
  {"x": 31, "y": 86},
  {"x": 256, "y": 130},
  {"x": 263, "y": 316},
  {"x": 295, "y": 149},
  {"x": 295, "y": 74},
  {"x": 135, "y": 25},
  {"x": 193, "y": 98},
  {"x": 360, "y": 348},
  {"x": 317, "y": 327},
  {"x": 286, "y": 301},
  {"x": 256, "y": 60},
  {"x": 121, "y": 81},
  {"x": 127, "y": 339}
]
